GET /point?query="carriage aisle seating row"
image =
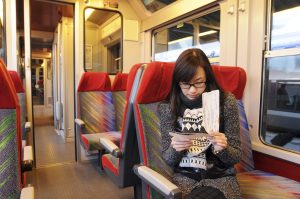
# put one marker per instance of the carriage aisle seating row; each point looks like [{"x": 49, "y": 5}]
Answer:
[
  {"x": 11, "y": 147},
  {"x": 97, "y": 116},
  {"x": 119, "y": 161},
  {"x": 154, "y": 172}
]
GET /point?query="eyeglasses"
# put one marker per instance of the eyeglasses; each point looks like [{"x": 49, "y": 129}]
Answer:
[{"x": 185, "y": 85}]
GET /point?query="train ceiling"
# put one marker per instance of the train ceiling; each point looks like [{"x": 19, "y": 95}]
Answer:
[{"x": 44, "y": 17}]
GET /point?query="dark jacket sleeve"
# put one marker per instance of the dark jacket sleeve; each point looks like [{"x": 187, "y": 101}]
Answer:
[
  {"x": 169, "y": 154},
  {"x": 232, "y": 154}
]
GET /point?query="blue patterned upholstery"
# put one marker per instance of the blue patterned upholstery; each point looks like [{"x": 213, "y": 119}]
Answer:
[{"x": 246, "y": 163}]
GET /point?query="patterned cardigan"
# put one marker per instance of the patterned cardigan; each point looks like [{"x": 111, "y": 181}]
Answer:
[{"x": 230, "y": 156}]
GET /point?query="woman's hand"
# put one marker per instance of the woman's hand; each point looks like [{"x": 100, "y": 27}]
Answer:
[
  {"x": 180, "y": 143},
  {"x": 219, "y": 141}
]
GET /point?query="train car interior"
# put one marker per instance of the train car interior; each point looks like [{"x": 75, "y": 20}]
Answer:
[{"x": 81, "y": 82}]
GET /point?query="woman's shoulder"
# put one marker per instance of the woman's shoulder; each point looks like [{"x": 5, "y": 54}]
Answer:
[
  {"x": 164, "y": 108},
  {"x": 229, "y": 99}
]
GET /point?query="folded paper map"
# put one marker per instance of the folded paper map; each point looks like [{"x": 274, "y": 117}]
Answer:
[{"x": 211, "y": 111}]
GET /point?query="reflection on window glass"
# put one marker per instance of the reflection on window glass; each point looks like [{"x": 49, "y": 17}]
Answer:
[
  {"x": 285, "y": 33},
  {"x": 202, "y": 32},
  {"x": 103, "y": 41},
  {"x": 281, "y": 124},
  {"x": 2, "y": 31},
  {"x": 154, "y": 5}
]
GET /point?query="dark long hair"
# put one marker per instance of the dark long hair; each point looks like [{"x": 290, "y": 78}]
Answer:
[{"x": 185, "y": 69}]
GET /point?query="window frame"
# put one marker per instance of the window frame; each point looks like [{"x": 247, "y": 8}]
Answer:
[
  {"x": 121, "y": 40},
  {"x": 179, "y": 20},
  {"x": 269, "y": 53}
]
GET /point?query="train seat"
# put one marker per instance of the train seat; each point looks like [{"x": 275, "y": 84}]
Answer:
[
  {"x": 119, "y": 161},
  {"x": 253, "y": 183},
  {"x": 10, "y": 139},
  {"x": 22, "y": 100},
  {"x": 96, "y": 114},
  {"x": 233, "y": 79},
  {"x": 153, "y": 170}
]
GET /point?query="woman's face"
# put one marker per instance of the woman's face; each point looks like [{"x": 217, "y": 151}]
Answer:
[{"x": 196, "y": 86}]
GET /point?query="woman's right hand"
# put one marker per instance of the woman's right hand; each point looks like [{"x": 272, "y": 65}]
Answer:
[{"x": 180, "y": 143}]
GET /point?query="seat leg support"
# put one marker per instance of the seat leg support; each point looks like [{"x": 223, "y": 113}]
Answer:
[
  {"x": 138, "y": 191},
  {"x": 100, "y": 153}
]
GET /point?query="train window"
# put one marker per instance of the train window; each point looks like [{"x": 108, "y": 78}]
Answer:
[
  {"x": 285, "y": 34},
  {"x": 154, "y": 5},
  {"x": 198, "y": 32},
  {"x": 103, "y": 41},
  {"x": 281, "y": 93},
  {"x": 2, "y": 32}
]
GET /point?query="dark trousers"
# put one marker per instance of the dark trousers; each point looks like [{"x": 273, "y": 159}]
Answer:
[{"x": 205, "y": 192}]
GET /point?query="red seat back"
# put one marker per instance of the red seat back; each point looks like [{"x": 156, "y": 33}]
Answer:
[
  {"x": 231, "y": 78},
  {"x": 120, "y": 82}
]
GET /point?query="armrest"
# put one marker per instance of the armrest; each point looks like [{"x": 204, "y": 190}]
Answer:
[
  {"x": 27, "y": 126},
  {"x": 157, "y": 182},
  {"x": 80, "y": 123},
  {"x": 111, "y": 147},
  {"x": 27, "y": 163},
  {"x": 27, "y": 193}
]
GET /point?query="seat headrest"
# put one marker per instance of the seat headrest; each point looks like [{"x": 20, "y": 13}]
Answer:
[
  {"x": 156, "y": 82},
  {"x": 8, "y": 94},
  {"x": 231, "y": 78},
  {"x": 120, "y": 82},
  {"x": 130, "y": 79},
  {"x": 17, "y": 81},
  {"x": 157, "y": 78},
  {"x": 94, "y": 81}
]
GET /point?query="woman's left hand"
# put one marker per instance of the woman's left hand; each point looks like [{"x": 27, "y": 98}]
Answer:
[{"x": 219, "y": 141}]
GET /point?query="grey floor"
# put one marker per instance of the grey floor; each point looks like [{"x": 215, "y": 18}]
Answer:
[
  {"x": 75, "y": 181},
  {"x": 50, "y": 148},
  {"x": 58, "y": 176}
]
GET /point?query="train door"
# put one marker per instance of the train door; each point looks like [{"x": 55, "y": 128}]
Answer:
[{"x": 49, "y": 54}]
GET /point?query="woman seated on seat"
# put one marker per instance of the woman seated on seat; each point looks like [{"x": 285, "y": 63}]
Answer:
[{"x": 203, "y": 166}]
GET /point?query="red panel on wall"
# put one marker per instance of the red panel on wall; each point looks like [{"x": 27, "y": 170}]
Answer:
[{"x": 276, "y": 166}]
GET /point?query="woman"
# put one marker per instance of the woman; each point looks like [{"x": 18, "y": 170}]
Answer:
[{"x": 203, "y": 166}]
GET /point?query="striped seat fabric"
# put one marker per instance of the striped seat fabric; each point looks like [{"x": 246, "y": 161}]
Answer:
[
  {"x": 119, "y": 167},
  {"x": 96, "y": 110},
  {"x": 254, "y": 183},
  {"x": 119, "y": 97},
  {"x": 154, "y": 88},
  {"x": 10, "y": 138}
]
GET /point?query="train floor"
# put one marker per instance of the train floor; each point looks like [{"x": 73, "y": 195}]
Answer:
[
  {"x": 50, "y": 148},
  {"x": 58, "y": 176},
  {"x": 75, "y": 181}
]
